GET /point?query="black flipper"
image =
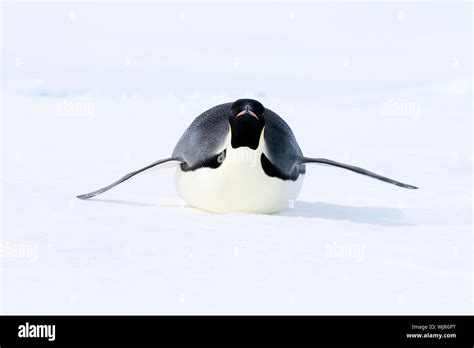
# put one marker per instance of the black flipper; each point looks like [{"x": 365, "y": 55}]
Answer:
[
  {"x": 356, "y": 170},
  {"x": 128, "y": 176}
]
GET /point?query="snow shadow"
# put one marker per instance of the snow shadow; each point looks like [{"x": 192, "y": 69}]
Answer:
[
  {"x": 382, "y": 216},
  {"x": 142, "y": 204},
  {"x": 119, "y": 201}
]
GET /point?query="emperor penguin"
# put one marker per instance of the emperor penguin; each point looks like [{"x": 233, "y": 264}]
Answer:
[{"x": 240, "y": 157}]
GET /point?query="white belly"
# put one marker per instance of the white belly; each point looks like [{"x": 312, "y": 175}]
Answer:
[{"x": 239, "y": 184}]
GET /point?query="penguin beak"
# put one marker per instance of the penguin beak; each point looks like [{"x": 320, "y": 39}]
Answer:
[{"x": 247, "y": 111}]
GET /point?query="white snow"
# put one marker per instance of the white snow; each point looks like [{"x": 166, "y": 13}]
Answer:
[{"x": 91, "y": 96}]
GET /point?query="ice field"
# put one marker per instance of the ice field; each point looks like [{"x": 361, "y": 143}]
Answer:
[{"x": 94, "y": 91}]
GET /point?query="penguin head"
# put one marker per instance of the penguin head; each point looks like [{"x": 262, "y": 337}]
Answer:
[{"x": 246, "y": 123}]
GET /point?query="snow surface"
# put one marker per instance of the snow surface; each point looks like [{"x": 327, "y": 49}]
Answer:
[{"x": 94, "y": 91}]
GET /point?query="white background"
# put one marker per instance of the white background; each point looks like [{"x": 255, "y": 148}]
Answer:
[{"x": 94, "y": 91}]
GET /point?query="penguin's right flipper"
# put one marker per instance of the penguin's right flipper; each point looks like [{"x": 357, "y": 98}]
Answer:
[
  {"x": 355, "y": 169},
  {"x": 164, "y": 163}
]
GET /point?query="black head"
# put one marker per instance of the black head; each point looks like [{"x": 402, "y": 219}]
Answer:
[{"x": 246, "y": 123}]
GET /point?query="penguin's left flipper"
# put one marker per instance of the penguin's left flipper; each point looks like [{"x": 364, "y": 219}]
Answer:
[
  {"x": 164, "y": 163},
  {"x": 355, "y": 169}
]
